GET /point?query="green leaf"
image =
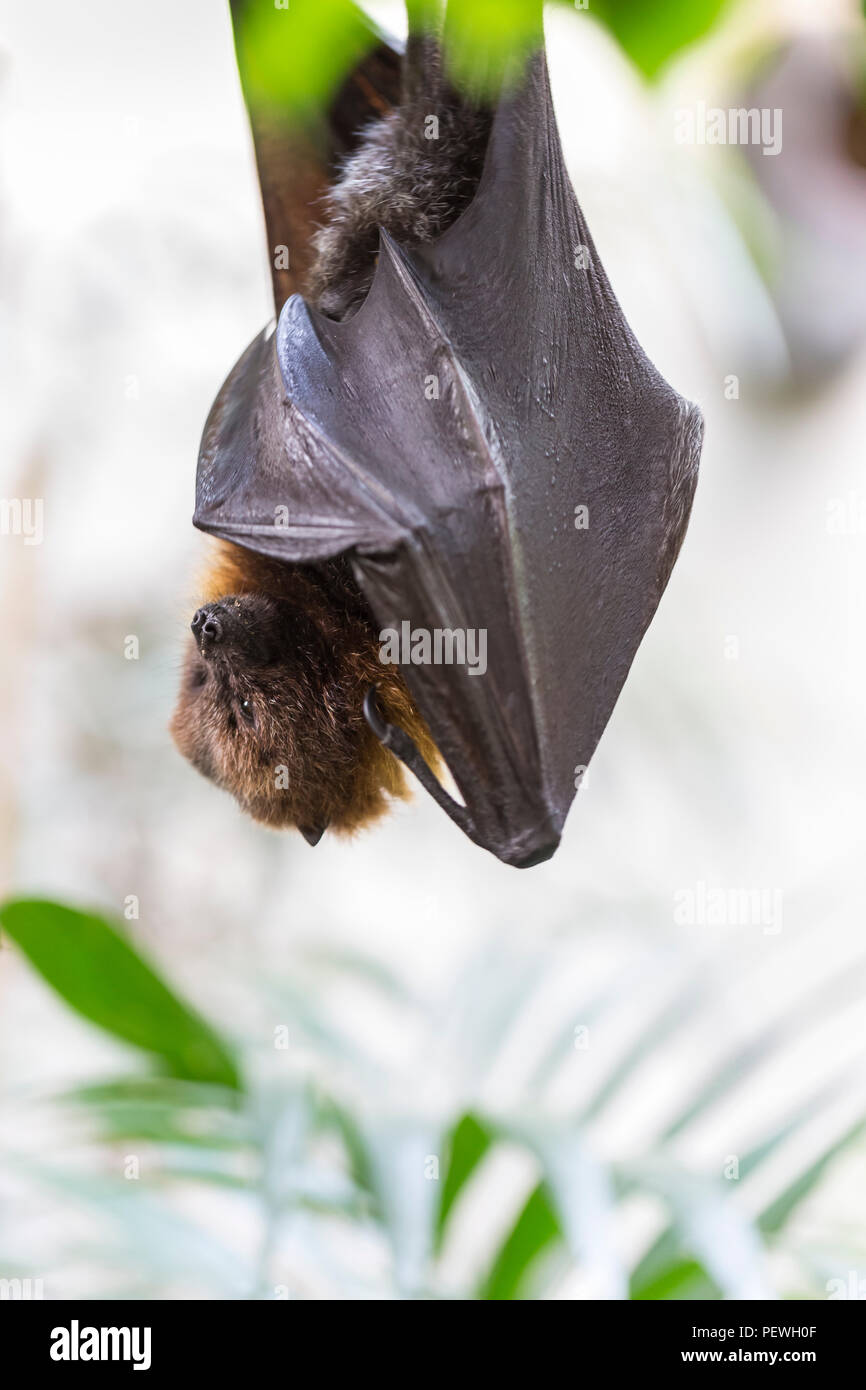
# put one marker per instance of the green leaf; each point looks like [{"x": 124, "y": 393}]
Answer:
[
  {"x": 536, "y": 1228},
  {"x": 710, "y": 1227},
  {"x": 398, "y": 1147},
  {"x": 656, "y": 1032},
  {"x": 487, "y": 40},
  {"x": 583, "y": 1191},
  {"x": 774, "y": 1216},
  {"x": 97, "y": 971},
  {"x": 652, "y": 31},
  {"x": 337, "y": 1117},
  {"x": 150, "y": 1234},
  {"x": 470, "y": 1141},
  {"x": 161, "y": 1090},
  {"x": 682, "y": 1279},
  {"x": 159, "y": 1123},
  {"x": 667, "y": 1265},
  {"x": 832, "y": 994},
  {"x": 291, "y": 59}
]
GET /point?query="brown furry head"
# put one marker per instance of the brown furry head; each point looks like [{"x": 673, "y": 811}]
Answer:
[{"x": 270, "y": 706}]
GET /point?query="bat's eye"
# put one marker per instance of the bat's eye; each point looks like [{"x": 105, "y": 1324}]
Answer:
[{"x": 247, "y": 712}]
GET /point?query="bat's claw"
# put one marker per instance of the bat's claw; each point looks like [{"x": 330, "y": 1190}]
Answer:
[
  {"x": 400, "y": 744},
  {"x": 373, "y": 716}
]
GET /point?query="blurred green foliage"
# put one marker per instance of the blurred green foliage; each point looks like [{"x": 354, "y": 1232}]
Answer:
[
  {"x": 291, "y": 59},
  {"x": 484, "y": 39},
  {"x": 652, "y": 32},
  {"x": 97, "y": 971},
  {"x": 211, "y": 1125}
]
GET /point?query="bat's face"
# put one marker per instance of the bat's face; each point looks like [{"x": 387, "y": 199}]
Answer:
[{"x": 270, "y": 710}]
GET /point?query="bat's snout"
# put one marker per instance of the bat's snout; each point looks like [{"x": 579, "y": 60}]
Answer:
[
  {"x": 207, "y": 627},
  {"x": 251, "y": 628}
]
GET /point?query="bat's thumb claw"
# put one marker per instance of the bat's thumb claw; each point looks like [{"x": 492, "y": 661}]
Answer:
[{"x": 373, "y": 716}]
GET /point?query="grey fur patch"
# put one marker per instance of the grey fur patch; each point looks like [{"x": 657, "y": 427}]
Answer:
[{"x": 402, "y": 178}]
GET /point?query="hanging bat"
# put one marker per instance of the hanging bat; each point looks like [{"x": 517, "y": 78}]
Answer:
[{"x": 448, "y": 484}]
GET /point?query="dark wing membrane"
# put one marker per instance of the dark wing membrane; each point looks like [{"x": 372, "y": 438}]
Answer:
[
  {"x": 269, "y": 480},
  {"x": 445, "y": 436},
  {"x": 586, "y": 420}
]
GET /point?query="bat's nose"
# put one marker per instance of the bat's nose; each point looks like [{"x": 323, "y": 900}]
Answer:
[{"x": 207, "y": 627}]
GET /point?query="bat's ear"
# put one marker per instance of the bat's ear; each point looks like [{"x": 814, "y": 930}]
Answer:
[{"x": 312, "y": 833}]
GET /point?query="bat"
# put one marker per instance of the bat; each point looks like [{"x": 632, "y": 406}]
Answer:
[{"x": 448, "y": 484}]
